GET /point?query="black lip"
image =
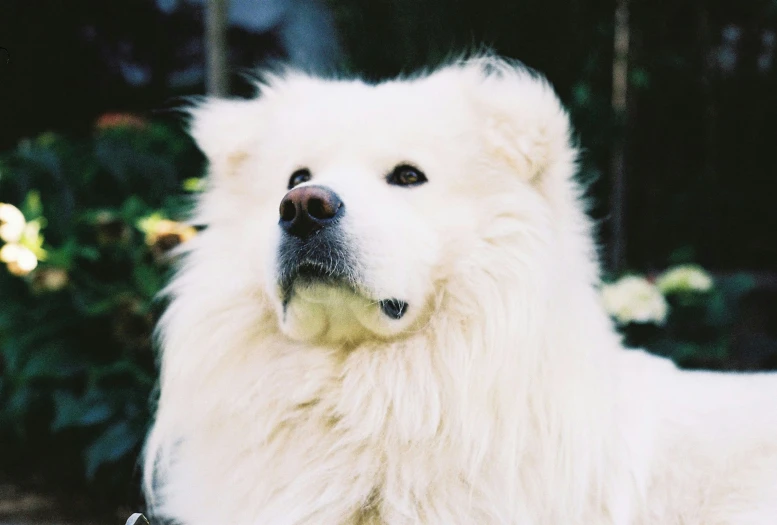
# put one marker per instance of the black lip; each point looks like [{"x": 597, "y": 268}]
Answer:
[
  {"x": 323, "y": 258},
  {"x": 394, "y": 308}
]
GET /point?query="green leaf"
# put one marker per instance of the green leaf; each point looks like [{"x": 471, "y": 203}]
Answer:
[
  {"x": 16, "y": 405},
  {"x": 683, "y": 255},
  {"x": 51, "y": 360},
  {"x": 133, "y": 208},
  {"x": 91, "y": 409},
  {"x": 13, "y": 355},
  {"x": 32, "y": 207},
  {"x": 194, "y": 184},
  {"x": 90, "y": 253},
  {"x": 111, "y": 446},
  {"x": 640, "y": 78},
  {"x": 581, "y": 94},
  {"x": 148, "y": 280},
  {"x": 90, "y": 306},
  {"x": 63, "y": 255},
  {"x": 124, "y": 368},
  {"x": 737, "y": 285}
]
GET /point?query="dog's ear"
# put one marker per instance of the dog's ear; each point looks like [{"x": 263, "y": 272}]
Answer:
[
  {"x": 225, "y": 130},
  {"x": 525, "y": 123}
]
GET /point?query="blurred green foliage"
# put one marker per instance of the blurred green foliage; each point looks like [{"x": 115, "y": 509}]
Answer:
[
  {"x": 691, "y": 323},
  {"x": 76, "y": 361}
]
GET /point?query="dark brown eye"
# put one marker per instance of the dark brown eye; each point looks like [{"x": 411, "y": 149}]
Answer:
[
  {"x": 404, "y": 175},
  {"x": 298, "y": 177}
]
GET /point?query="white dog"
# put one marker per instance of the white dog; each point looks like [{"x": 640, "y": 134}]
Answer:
[{"x": 393, "y": 318}]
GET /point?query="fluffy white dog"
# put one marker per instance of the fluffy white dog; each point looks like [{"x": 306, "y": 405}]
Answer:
[{"x": 393, "y": 318}]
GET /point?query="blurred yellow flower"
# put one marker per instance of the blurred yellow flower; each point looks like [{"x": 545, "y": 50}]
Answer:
[
  {"x": 12, "y": 223},
  {"x": 684, "y": 278},
  {"x": 31, "y": 234},
  {"x": 154, "y": 226},
  {"x": 49, "y": 279},
  {"x": 162, "y": 235},
  {"x": 19, "y": 259}
]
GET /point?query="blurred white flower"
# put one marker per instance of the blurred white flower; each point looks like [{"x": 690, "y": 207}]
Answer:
[
  {"x": 633, "y": 299},
  {"x": 685, "y": 278},
  {"x": 12, "y": 223},
  {"x": 19, "y": 259},
  {"x": 10, "y": 252}
]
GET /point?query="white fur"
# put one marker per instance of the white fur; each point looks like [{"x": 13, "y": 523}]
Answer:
[{"x": 504, "y": 395}]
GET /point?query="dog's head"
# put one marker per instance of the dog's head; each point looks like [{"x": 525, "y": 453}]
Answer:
[{"x": 352, "y": 206}]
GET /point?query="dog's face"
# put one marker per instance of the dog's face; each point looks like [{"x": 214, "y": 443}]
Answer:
[{"x": 354, "y": 202}]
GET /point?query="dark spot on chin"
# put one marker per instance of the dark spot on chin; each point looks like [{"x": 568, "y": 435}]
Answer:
[{"x": 393, "y": 308}]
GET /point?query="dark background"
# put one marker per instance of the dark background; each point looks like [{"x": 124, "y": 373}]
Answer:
[
  {"x": 698, "y": 138},
  {"x": 700, "y": 133}
]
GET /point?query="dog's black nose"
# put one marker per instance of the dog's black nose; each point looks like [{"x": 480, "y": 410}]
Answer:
[{"x": 307, "y": 209}]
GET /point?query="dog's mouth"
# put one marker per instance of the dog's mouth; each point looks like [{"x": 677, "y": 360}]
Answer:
[
  {"x": 308, "y": 272},
  {"x": 324, "y": 261},
  {"x": 323, "y": 257},
  {"x": 312, "y": 271}
]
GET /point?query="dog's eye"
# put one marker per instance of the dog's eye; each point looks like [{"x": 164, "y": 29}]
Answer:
[
  {"x": 404, "y": 175},
  {"x": 298, "y": 177}
]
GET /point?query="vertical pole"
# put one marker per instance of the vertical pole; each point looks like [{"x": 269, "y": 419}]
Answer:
[
  {"x": 216, "y": 79},
  {"x": 620, "y": 82}
]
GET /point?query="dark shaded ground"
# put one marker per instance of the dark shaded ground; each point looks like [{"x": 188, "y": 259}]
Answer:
[{"x": 20, "y": 506}]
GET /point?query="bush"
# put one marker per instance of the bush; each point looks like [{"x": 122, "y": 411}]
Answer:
[
  {"x": 85, "y": 258},
  {"x": 684, "y": 314}
]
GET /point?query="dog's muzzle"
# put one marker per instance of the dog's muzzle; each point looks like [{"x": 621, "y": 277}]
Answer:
[{"x": 314, "y": 249}]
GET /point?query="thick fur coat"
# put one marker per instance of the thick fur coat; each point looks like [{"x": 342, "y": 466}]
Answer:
[{"x": 501, "y": 395}]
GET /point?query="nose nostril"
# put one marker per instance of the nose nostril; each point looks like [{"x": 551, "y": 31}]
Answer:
[
  {"x": 288, "y": 211},
  {"x": 318, "y": 209},
  {"x": 323, "y": 207}
]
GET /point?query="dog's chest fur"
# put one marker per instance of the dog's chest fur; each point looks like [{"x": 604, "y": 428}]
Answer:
[{"x": 375, "y": 436}]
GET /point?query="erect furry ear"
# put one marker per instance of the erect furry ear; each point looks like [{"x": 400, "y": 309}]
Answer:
[
  {"x": 526, "y": 125},
  {"x": 225, "y": 130}
]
